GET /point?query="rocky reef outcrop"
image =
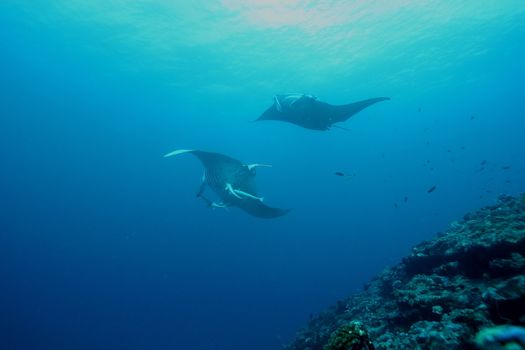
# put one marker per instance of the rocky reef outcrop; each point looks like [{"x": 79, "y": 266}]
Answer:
[{"x": 466, "y": 280}]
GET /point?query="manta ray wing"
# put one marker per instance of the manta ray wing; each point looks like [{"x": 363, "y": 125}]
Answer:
[
  {"x": 261, "y": 210},
  {"x": 218, "y": 162},
  {"x": 271, "y": 113},
  {"x": 307, "y": 114},
  {"x": 343, "y": 112},
  {"x": 219, "y": 168}
]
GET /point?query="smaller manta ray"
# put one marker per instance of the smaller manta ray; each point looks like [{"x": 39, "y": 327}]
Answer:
[
  {"x": 233, "y": 182},
  {"x": 310, "y": 113}
]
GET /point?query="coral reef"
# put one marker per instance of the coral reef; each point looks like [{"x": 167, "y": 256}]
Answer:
[{"x": 469, "y": 278}]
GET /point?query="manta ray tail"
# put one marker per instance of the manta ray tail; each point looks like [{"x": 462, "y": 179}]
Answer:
[{"x": 343, "y": 112}]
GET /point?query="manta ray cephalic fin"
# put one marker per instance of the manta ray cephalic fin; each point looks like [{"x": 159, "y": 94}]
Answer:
[
  {"x": 246, "y": 194},
  {"x": 233, "y": 192}
]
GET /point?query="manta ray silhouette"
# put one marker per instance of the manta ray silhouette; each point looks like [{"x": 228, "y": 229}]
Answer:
[
  {"x": 233, "y": 182},
  {"x": 307, "y": 111}
]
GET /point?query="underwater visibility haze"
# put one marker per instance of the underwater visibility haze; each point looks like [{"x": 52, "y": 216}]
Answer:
[{"x": 103, "y": 241}]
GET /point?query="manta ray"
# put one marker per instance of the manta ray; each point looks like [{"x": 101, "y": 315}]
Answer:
[
  {"x": 307, "y": 111},
  {"x": 233, "y": 182}
]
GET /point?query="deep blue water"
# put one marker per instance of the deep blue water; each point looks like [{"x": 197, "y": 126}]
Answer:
[{"x": 103, "y": 244}]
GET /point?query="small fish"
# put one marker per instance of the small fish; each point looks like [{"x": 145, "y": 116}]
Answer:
[
  {"x": 483, "y": 163},
  {"x": 395, "y": 205},
  {"x": 507, "y": 181},
  {"x": 431, "y": 189},
  {"x": 505, "y": 167},
  {"x": 472, "y": 117},
  {"x": 419, "y": 109},
  {"x": 405, "y": 199},
  {"x": 345, "y": 175}
]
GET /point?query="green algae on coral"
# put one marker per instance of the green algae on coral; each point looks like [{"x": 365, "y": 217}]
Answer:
[{"x": 351, "y": 336}]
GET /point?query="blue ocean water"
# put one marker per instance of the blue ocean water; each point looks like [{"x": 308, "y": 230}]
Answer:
[{"x": 103, "y": 244}]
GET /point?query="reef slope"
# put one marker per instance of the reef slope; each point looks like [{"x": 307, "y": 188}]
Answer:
[{"x": 470, "y": 277}]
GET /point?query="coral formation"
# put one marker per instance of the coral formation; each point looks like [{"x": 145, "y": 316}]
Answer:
[
  {"x": 469, "y": 278},
  {"x": 501, "y": 338},
  {"x": 351, "y": 336}
]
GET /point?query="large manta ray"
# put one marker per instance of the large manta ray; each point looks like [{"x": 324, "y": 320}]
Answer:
[
  {"x": 233, "y": 182},
  {"x": 307, "y": 111}
]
